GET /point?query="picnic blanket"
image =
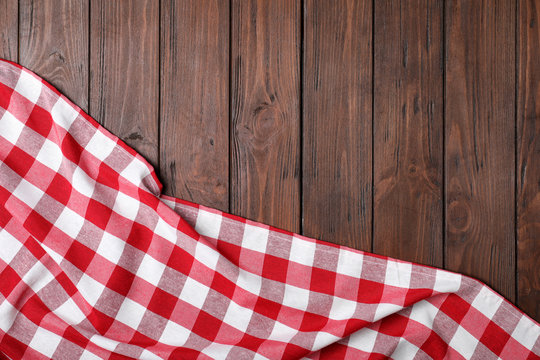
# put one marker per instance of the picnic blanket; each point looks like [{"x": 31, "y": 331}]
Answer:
[{"x": 96, "y": 263}]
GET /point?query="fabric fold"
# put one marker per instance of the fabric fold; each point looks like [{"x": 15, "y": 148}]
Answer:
[{"x": 96, "y": 263}]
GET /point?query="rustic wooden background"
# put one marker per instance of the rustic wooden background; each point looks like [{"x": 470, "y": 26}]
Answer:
[{"x": 407, "y": 128}]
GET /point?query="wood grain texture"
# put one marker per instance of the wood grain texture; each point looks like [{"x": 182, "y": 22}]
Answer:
[
  {"x": 124, "y": 68},
  {"x": 337, "y": 98},
  {"x": 194, "y": 142},
  {"x": 54, "y": 44},
  {"x": 528, "y": 165},
  {"x": 408, "y": 130},
  {"x": 265, "y": 91},
  {"x": 9, "y": 15},
  {"x": 480, "y": 143},
  {"x": 271, "y": 110}
]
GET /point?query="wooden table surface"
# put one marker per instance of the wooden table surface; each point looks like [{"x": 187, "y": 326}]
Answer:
[{"x": 406, "y": 128}]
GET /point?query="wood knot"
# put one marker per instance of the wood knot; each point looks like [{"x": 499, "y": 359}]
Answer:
[
  {"x": 266, "y": 120},
  {"x": 459, "y": 217},
  {"x": 135, "y": 136},
  {"x": 57, "y": 55}
]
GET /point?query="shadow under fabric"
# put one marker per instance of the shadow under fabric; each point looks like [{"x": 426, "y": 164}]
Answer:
[{"x": 95, "y": 263}]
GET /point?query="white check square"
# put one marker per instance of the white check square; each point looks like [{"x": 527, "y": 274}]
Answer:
[
  {"x": 238, "y": 316},
  {"x": 446, "y": 282},
  {"x": 487, "y": 302},
  {"x": 10, "y": 246},
  {"x": 174, "y": 334},
  {"x": 249, "y": 282},
  {"x": 100, "y": 145},
  {"x": 50, "y": 155},
  {"x": 111, "y": 247},
  {"x": 194, "y": 293},
  {"x": 385, "y": 309},
  {"x": 255, "y": 238},
  {"x": 150, "y": 270},
  {"x": 69, "y": 222},
  {"x": 104, "y": 342},
  {"x": 398, "y": 274},
  {"x": 302, "y": 252},
  {"x": 7, "y": 315},
  {"x": 295, "y": 297},
  {"x": 130, "y": 313},
  {"x": 90, "y": 289},
  {"x": 526, "y": 332},
  {"x": 405, "y": 350},
  {"x": 350, "y": 263},
  {"x": 342, "y": 309},
  {"x": 28, "y": 193},
  {"x": 11, "y": 127},
  {"x": 135, "y": 171},
  {"x": 38, "y": 277},
  {"x": 165, "y": 230},
  {"x": 45, "y": 342},
  {"x": 208, "y": 224},
  {"x": 323, "y": 339},
  {"x": 29, "y": 86},
  {"x": 206, "y": 255},
  {"x": 424, "y": 312},
  {"x": 126, "y": 206},
  {"x": 63, "y": 114},
  {"x": 282, "y": 332},
  {"x": 82, "y": 182},
  {"x": 464, "y": 343},
  {"x": 70, "y": 312},
  {"x": 220, "y": 351},
  {"x": 363, "y": 339}
]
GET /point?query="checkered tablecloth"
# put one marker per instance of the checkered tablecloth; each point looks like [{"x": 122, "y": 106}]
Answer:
[{"x": 96, "y": 264}]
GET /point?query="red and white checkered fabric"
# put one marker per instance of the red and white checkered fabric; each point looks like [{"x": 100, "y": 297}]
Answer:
[{"x": 96, "y": 264}]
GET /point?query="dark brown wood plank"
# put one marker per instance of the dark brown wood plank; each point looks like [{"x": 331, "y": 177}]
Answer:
[
  {"x": 480, "y": 143},
  {"x": 408, "y": 130},
  {"x": 528, "y": 165},
  {"x": 9, "y": 15},
  {"x": 265, "y": 91},
  {"x": 337, "y": 122},
  {"x": 54, "y": 44},
  {"x": 194, "y": 142},
  {"x": 124, "y": 68}
]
